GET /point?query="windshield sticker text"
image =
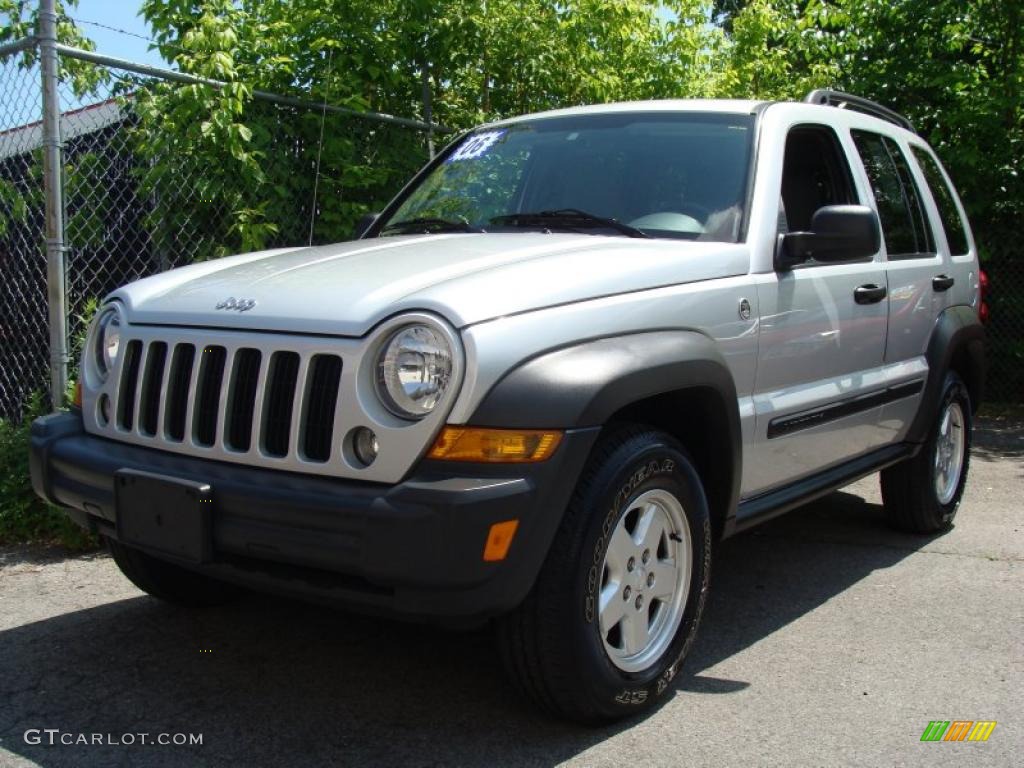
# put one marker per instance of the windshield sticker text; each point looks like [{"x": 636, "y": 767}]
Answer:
[{"x": 475, "y": 146}]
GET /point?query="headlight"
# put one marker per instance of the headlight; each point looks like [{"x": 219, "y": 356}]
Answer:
[
  {"x": 107, "y": 344},
  {"x": 414, "y": 370}
]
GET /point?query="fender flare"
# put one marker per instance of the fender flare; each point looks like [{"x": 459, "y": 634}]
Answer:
[
  {"x": 957, "y": 341},
  {"x": 584, "y": 385}
]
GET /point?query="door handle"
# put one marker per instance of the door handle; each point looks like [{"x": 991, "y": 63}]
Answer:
[
  {"x": 869, "y": 294},
  {"x": 942, "y": 283}
]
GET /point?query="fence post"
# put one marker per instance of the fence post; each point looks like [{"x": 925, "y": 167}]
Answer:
[{"x": 56, "y": 283}]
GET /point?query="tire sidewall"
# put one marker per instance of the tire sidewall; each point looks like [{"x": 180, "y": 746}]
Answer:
[{"x": 632, "y": 471}]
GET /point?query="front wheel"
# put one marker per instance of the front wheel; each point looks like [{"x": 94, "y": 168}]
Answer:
[
  {"x": 921, "y": 495},
  {"x": 618, "y": 601}
]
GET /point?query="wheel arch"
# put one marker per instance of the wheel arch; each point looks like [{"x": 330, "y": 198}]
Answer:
[
  {"x": 698, "y": 418},
  {"x": 676, "y": 381},
  {"x": 957, "y": 343}
]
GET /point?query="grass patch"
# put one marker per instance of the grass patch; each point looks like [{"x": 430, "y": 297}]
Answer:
[{"x": 24, "y": 517}]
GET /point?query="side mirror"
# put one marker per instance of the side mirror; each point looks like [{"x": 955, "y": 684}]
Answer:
[
  {"x": 366, "y": 221},
  {"x": 838, "y": 233}
]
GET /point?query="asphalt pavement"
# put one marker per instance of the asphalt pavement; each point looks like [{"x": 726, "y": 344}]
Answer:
[{"x": 828, "y": 640}]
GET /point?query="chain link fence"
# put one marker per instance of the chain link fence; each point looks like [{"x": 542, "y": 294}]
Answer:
[
  {"x": 136, "y": 204},
  {"x": 1005, "y": 326},
  {"x": 24, "y": 330}
]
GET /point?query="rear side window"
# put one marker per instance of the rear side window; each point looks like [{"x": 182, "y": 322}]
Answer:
[
  {"x": 952, "y": 224},
  {"x": 904, "y": 223}
]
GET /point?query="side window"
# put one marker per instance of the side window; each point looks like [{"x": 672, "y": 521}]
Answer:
[
  {"x": 904, "y": 223},
  {"x": 952, "y": 224},
  {"x": 815, "y": 173}
]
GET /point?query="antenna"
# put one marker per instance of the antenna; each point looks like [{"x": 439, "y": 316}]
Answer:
[{"x": 320, "y": 144}]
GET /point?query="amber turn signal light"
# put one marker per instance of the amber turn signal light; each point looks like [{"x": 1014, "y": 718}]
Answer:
[
  {"x": 76, "y": 398},
  {"x": 494, "y": 445},
  {"x": 499, "y": 540}
]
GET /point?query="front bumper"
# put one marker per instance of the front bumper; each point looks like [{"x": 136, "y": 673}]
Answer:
[{"x": 413, "y": 549}]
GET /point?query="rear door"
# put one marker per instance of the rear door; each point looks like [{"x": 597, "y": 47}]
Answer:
[{"x": 919, "y": 271}]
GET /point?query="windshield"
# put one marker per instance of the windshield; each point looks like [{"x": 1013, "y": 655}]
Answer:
[{"x": 674, "y": 175}]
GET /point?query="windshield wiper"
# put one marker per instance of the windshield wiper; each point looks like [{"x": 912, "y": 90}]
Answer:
[
  {"x": 567, "y": 217},
  {"x": 428, "y": 224}
]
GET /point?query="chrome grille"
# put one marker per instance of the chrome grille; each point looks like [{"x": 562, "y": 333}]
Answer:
[
  {"x": 213, "y": 396},
  {"x": 283, "y": 401}
]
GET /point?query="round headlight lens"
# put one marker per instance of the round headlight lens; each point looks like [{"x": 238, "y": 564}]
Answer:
[
  {"x": 108, "y": 341},
  {"x": 414, "y": 370}
]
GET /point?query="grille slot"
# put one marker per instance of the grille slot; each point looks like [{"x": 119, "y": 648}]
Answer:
[
  {"x": 152, "y": 380},
  {"x": 129, "y": 385},
  {"x": 320, "y": 402},
  {"x": 211, "y": 376},
  {"x": 242, "y": 399},
  {"x": 177, "y": 391},
  {"x": 280, "y": 400}
]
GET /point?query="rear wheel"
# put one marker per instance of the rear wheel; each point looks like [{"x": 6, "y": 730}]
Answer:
[
  {"x": 921, "y": 495},
  {"x": 618, "y": 601},
  {"x": 168, "y": 581}
]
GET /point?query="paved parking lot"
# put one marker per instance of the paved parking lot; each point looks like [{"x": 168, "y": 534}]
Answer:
[{"x": 828, "y": 640}]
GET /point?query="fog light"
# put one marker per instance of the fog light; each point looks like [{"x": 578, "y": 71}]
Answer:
[
  {"x": 365, "y": 446},
  {"x": 104, "y": 410}
]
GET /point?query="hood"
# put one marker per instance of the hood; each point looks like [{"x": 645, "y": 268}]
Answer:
[{"x": 346, "y": 288}]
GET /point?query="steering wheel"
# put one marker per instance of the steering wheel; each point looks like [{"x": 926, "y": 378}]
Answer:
[{"x": 694, "y": 210}]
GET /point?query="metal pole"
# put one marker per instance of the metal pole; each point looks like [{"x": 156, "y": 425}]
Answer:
[
  {"x": 56, "y": 285},
  {"x": 428, "y": 107}
]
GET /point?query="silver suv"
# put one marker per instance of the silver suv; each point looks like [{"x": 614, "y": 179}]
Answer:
[{"x": 576, "y": 350}]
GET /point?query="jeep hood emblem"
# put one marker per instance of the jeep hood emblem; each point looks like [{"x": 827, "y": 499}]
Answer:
[{"x": 239, "y": 305}]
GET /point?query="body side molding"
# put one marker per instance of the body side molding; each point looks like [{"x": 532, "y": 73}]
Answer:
[{"x": 785, "y": 425}]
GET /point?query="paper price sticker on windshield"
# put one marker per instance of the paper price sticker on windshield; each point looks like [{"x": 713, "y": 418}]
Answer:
[{"x": 475, "y": 146}]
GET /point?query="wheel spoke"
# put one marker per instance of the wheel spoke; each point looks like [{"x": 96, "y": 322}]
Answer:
[
  {"x": 649, "y": 528},
  {"x": 612, "y": 606},
  {"x": 620, "y": 549},
  {"x": 634, "y": 631},
  {"x": 665, "y": 575}
]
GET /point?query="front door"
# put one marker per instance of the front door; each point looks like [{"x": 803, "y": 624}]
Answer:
[{"x": 822, "y": 335}]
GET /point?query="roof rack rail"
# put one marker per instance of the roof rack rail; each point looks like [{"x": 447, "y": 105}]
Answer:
[{"x": 858, "y": 104}]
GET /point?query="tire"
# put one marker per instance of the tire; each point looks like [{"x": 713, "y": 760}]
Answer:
[
  {"x": 559, "y": 647},
  {"x": 167, "y": 581},
  {"x": 921, "y": 495}
]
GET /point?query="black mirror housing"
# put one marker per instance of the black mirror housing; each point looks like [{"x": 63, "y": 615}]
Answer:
[
  {"x": 366, "y": 221},
  {"x": 838, "y": 233}
]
